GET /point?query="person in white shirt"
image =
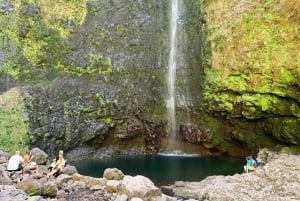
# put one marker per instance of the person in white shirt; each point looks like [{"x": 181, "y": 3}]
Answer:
[{"x": 15, "y": 162}]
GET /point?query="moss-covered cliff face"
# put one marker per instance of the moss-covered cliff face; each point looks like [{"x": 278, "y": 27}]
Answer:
[
  {"x": 93, "y": 73},
  {"x": 89, "y": 67},
  {"x": 252, "y": 80}
]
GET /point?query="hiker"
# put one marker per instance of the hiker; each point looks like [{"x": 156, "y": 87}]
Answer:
[
  {"x": 28, "y": 164},
  {"x": 53, "y": 162},
  {"x": 250, "y": 165},
  {"x": 15, "y": 162},
  {"x": 59, "y": 165}
]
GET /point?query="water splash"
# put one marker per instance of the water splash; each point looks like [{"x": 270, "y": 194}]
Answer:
[
  {"x": 178, "y": 153},
  {"x": 171, "y": 76}
]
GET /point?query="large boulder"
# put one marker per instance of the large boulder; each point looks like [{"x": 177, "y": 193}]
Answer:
[
  {"x": 31, "y": 186},
  {"x": 139, "y": 187},
  {"x": 4, "y": 177},
  {"x": 90, "y": 181},
  {"x": 11, "y": 193},
  {"x": 70, "y": 170},
  {"x": 113, "y": 174},
  {"x": 50, "y": 189},
  {"x": 39, "y": 156},
  {"x": 62, "y": 179},
  {"x": 78, "y": 185}
]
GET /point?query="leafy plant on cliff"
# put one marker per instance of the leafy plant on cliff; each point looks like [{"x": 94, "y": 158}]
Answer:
[
  {"x": 10, "y": 68},
  {"x": 97, "y": 64},
  {"x": 103, "y": 101}
]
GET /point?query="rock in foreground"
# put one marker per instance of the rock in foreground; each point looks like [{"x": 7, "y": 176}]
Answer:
[{"x": 278, "y": 180}]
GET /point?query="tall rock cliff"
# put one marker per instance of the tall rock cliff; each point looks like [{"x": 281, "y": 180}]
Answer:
[
  {"x": 253, "y": 72},
  {"x": 93, "y": 73}
]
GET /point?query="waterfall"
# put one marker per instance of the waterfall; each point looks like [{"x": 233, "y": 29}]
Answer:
[{"x": 171, "y": 76}]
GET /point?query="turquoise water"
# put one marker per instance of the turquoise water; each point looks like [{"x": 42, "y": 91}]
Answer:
[{"x": 164, "y": 169}]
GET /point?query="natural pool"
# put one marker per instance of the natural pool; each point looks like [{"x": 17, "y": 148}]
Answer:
[{"x": 164, "y": 169}]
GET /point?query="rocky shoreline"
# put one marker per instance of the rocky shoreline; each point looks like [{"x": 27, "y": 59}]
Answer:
[{"x": 277, "y": 178}]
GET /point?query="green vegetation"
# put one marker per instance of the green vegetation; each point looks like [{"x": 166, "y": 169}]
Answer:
[
  {"x": 13, "y": 123},
  {"x": 255, "y": 49},
  {"x": 253, "y": 52},
  {"x": 97, "y": 64},
  {"x": 107, "y": 120},
  {"x": 272, "y": 50},
  {"x": 252, "y": 106},
  {"x": 57, "y": 14},
  {"x": 33, "y": 37}
]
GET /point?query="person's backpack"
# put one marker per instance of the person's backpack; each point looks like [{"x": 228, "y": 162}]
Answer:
[{"x": 255, "y": 164}]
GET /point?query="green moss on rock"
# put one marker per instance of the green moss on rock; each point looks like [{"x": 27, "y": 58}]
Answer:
[
  {"x": 13, "y": 122},
  {"x": 254, "y": 71},
  {"x": 259, "y": 60},
  {"x": 284, "y": 129},
  {"x": 252, "y": 106}
]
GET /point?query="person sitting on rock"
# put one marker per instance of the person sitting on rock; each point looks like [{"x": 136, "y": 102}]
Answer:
[
  {"x": 58, "y": 166},
  {"x": 251, "y": 164},
  {"x": 52, "y": 165},
  {"x": 28, "y": 164},
  {"x": 15, "y": 162}
]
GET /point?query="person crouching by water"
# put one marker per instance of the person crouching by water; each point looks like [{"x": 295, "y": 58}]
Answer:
[
  {"x": 250, "y": 165},
  {"x": 28, "y": 164},
  {"x": 59, "y": 165},
  {"x": 15, "y": 162}
]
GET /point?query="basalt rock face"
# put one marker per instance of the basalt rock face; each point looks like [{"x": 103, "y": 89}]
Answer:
[
  {"x": 237, "y": 84},
  {"x": 73, "y": 113},
  {"x": 117, "y": 94},
  {"x": 113, "y": 100}
]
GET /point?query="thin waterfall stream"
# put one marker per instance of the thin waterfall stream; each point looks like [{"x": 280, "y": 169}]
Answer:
[
  {"x": 175, "y": 162},
  {"x": 171, "y": 76}
]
